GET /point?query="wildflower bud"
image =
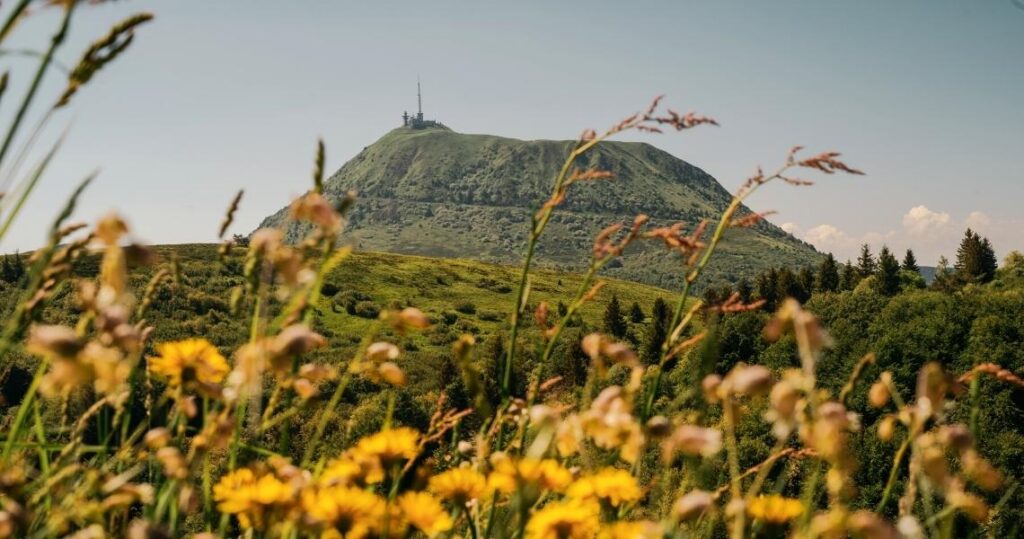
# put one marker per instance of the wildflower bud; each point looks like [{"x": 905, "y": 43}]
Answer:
[
  {"x": 382, "y": 351},
  {"x": 658, "y": 427},
  {"x": 591, "y": 345},
  {"x": 868, "y": 524},
  {"x": 933, "y": 462},
  {"x": 973, "y": 506},
  {"x": 140, "y": 529},
  {"x": 304, "y": 389},
  {"x": 956, "y": 436},
  {"x": 692, "y": 505},
  {"x": 173, "y": 463},
  {"x": 391, "y": 373},
  {"x": 414, "y": 318},
  {"x": 110, "y": 228},
  {"x": 465, "y": 448},
  {"x": 886, "y": 428},
  {"x": 710, "y": 386},
  {"x": 878, "y": 395},
  {"x": 541, "y": 414},
  {"x": 157, "y": 438},
  {"x": 784, "y": 398},
  {"x": 980, "y": 471},
  {"x": 909, "y": 527},
  {"x": 693, "y": 441},
  {"x": 620, "y": 353},
  {"x": 295, "y": 340},
  {"x": 188, "y": 501},
  {"x": 60, "y": 341},
  {"x": 749, "y": 380},
  {"x": 188, "y": 406}
]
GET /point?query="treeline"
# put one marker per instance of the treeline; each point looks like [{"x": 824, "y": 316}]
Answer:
[{"x": 976, "y": 263}]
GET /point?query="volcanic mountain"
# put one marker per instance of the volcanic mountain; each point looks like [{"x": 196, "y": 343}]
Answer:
[{"x": 439, "y": 193}]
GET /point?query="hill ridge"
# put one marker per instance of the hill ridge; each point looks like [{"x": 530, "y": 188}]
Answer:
[{"x": 438, "y": 192}]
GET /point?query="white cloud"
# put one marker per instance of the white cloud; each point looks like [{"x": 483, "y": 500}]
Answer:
[
  {"x": 792, "y": 228},
  {"x": 922, "y": 221},
  {"x": 823, "y": 235},
  {"x": 978, "y": 221},
  {"x": 929, "y": 233}
]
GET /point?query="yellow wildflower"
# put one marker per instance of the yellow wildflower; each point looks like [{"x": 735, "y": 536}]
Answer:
[
  {"x": 459, "y": 485},
  {"x": 345, "y": 511},
  {"x": 425, "y": 513},
  {"x": 643, "y": 529},
  {"x": 546, "y": 474},
  {"x": 609, "y": 484},
  {"x": 390, "y": 446},
  {"x": 570, "y": 519},
  {"x": 249, "y": 497},
  {"x": 342, "y": 471},
  {"x": 380, "y": 452},
  {"x": 189, "y": 360},
  {"x": 774, "y": 509}
]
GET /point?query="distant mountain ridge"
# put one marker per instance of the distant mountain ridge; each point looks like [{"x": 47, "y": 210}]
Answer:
[{"x": 437, "y": 192}]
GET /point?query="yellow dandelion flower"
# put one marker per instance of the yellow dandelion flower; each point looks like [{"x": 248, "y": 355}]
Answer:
[
  {"x": 546, "y": 474},
  {"x": 344, "y": 511},
  {"x": 391, "y": 446},
  {"x": 570, "y": 519},
  {"x": 609, "y": 484},
  {"x": 643, "y": 529},
  {"x": 342, "y": 471},
  {"x": 459, "y": 485},
  {"x": 249, "y": 497},
  {"x": 234, "y": 491},
  {"x": 189, "y": 360},
  {"x": 425, "y": 513},
  {"x": 774, "y": 509}
]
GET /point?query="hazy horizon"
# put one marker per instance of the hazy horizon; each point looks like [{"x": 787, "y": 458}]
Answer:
[{"x": 924, "y": 96}]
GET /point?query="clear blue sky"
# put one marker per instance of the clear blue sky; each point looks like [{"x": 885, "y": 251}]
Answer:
[{"x": 926, "y": 96}]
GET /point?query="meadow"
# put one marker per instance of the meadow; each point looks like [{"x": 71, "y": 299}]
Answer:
[{"x": 283, "y": 386}]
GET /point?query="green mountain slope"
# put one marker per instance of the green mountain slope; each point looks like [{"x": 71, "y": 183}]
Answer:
[{"x": 436, "y": 192}]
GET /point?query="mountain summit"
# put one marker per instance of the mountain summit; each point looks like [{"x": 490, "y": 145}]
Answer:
[{"x": 437, "y": 192}]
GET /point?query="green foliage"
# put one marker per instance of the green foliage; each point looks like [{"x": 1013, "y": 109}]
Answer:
[
  {"x": 910, "y": 262},
  {"x": 657, "y": 331},
  {"x": 827, "y": 279},
  {"x": 614, "y": 321},
  {"x": 866, "y": 264},
  {"x": 887, "y": 276},
  {"x": 636, "y": 314},
  {"x": 975, "y": 259}
]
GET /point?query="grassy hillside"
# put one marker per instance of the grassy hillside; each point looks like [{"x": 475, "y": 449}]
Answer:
[
  {"x": 460, "y": 296},
  {"x": 436, "y": 192}
]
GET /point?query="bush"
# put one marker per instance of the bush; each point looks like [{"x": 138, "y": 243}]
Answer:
[
  {"x": 489, "y": 316},
  {"x": 366, "y": 309},
  {"x": 465, "y": 307}
]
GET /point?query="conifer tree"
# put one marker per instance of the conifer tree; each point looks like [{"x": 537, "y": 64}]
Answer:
[
  {"x": 975, "y": 259},
  {"x": 767, "y": 288},
  {"x": 866, "y": 262},
  {"x": 789, "y": 286},
  {"x": 657, "y": 332},
  {"x": 745, "y": 290},
  {"x": 989, "y": 262},
  {"x": 636, "y": 314},
  {"x": 805, "y": 280},
  {"x": 888, "y": 273},
  {"x": 614, "y": 322},
  {"x": 910, "y": 262},
  {"x": 827, "y": 279},
  {"x": 849, "y": 277}
]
